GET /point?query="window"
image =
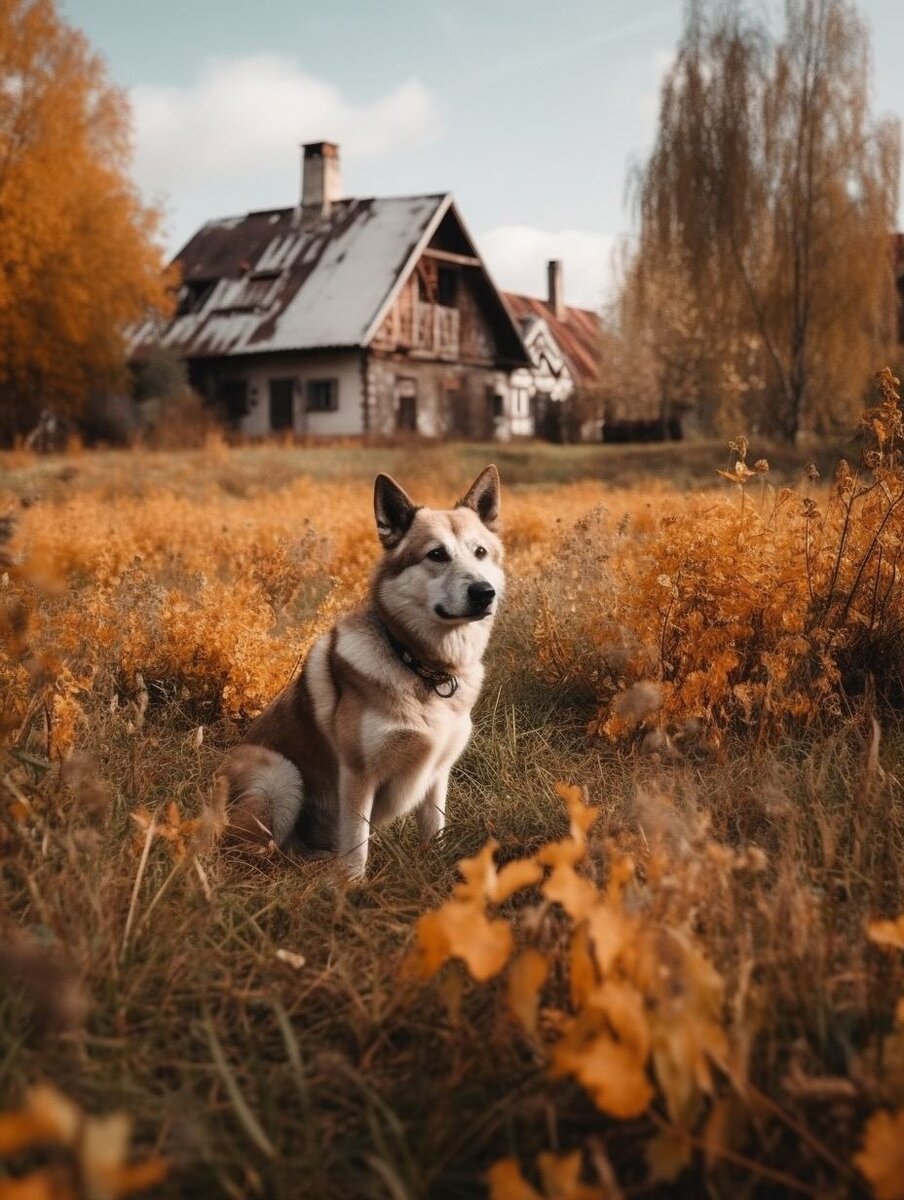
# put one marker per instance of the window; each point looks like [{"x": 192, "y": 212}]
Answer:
[
  {"x": 258, "y": 287},
  {"x": 447, "y": 287},
  {"x": 323, "y": 395},
  {"x": 193, "y": 295}
]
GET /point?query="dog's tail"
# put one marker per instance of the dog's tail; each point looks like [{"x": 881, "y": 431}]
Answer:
[{"x": 265, "y": 795}]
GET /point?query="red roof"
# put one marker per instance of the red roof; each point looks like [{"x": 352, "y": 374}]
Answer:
[{"x": 577, "y": 333}]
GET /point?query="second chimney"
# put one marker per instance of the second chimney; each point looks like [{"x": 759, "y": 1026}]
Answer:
[
  {"x": 321, "y": 179},
  {"x": 556, "y": 298}
]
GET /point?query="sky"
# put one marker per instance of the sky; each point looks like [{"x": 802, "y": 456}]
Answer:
[{"x": 531, "y": 113}]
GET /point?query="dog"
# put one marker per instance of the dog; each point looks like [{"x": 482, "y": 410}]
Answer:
[{"x": 380, "y": 711}]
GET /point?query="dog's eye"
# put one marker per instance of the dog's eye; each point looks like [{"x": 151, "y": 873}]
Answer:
[
  {"x": 480, "y": 552},
  {"x": 438, "y": 554}
]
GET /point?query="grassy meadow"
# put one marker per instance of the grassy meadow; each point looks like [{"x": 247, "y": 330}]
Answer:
[{"x": 689, "y": 739}]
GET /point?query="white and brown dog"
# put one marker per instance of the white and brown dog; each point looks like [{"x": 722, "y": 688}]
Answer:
[{"x": 370, "y": 728}]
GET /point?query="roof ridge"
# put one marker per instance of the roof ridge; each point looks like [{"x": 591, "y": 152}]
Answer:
[
  {"x": 287, "y": 208},
  {"x": 592, "y": 312}
]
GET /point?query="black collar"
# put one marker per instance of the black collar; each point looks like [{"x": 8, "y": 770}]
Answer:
[{"x": 441, "y": 682}]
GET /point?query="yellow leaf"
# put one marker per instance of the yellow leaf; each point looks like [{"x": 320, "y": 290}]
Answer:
[
  {"x": 667, "y": 1156},
  {"x": 561, "y": 1177},
  {"x": 620, "y": 875},
  {"x": 882, "y": 1158},
  {"x": 887, "y": 933},
  {"x": 136, "y": 1177},
  {"x": 514, "y": 876},
  {"x": 479, "y": 873},
  {"x": 507, "y": 1183},
  {"x": 575, "y": 893},
  {"x": 623, "y": 1007},
  {"x": 685, "y": 1043},
  {"x": 581, "y": 815},
  {"x": 611, "y": 932},
  {"x": 527, "y": 975},
  {"x": 582, "y": 970},
  {"x": 142, "y": 818},
  {"x": 39, "y": 1185},
  {"x": 47, "y": 1118},
  {"x": 611, "y": 1072},
  {"x": 460, "y": 929}
]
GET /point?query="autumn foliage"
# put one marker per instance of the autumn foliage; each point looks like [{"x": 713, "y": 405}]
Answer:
[
  {"x": 80, "y": 259},
  {"x": 761, "y": 290},
  {"x": 754, "y": 611},
  {"x": 681, "y": 972}
]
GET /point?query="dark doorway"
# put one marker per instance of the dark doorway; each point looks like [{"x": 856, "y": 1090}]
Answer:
[
  {"x": 406, "y": 406},
  {"x": 407, "y": 418},
  {"x": 495, "y": 412},
  {"x": 233, "y": 401},
  {"x": 282, "y": 395}
]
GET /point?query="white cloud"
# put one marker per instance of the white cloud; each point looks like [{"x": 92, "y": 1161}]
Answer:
[
  {"x": 228, "y": 140},
  {"x": 516, "y": 256}
]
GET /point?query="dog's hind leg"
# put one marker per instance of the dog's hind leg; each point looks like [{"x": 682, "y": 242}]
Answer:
[{"x": 265, "y": 795}]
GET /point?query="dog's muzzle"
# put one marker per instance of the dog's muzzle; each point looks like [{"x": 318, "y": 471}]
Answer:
[{"x": 480, "y": 599}]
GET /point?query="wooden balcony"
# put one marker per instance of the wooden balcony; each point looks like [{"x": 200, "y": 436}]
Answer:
[{"x": 436, "y": 330}]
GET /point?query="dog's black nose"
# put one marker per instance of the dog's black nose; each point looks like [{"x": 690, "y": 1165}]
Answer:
[{"x": 481, "y": 594}]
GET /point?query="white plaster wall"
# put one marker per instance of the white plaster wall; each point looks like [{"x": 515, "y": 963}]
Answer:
[{"x": 344, "y": 367}]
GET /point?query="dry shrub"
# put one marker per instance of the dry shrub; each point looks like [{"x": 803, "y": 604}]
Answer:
[
  {"x": 755, "y": 611},
  {"x": 214, "y": 599}
]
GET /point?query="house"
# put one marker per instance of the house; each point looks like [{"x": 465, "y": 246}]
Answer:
[
  {"x": 343, "y": 317},
  {"x": 563, "y": 344}
]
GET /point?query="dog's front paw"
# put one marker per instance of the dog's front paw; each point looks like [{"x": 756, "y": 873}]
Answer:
[{"x": 353, "y": 868}]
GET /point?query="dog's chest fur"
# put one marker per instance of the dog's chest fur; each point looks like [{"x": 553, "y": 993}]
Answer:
[{"x": 356, "y": 703}]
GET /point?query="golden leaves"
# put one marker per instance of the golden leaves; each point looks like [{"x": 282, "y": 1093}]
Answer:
[
  {"x": 611, "y": 1071},
  {"x": 461, "y": 929},
  {"x": 887, "y": 933},
  {"x": 173, "y": 829},
  {"x": 560, "y": 1175},
  {"x": 645, "y": 1003},
  {"x": 882, "y": 1158},
  {"x": 526, "y": 977},
  {"x": 97, "y": 1147}
]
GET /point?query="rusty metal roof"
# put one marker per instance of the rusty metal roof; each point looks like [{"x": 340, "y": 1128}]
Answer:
[
  {"x": 281, "y": 280},
  {"x": 577, "y": 333}
]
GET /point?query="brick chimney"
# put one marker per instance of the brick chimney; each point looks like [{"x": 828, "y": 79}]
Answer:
[
  {"x": 556, "y": 296},
  {"x": 321, "y": 178}
]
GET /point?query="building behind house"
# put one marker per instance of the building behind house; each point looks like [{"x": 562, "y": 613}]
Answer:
[{"x": 556, "y": 396}]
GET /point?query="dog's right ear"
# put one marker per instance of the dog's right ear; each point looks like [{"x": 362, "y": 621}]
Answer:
[{"x": 394, "y": 510}]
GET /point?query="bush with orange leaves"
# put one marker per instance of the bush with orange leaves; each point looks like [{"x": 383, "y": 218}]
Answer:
[
  {"x": 747, "y": 612},
  {"x": 95, "y": 1150},
  {"x": 211, "y": 599},
  {"x": 609, "y": 983},
  {"x": 625, "y": 1000},
  {"x": 212, "y": 603}
]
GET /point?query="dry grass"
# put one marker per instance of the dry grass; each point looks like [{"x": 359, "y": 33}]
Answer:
[{"x": 193, "y": 585}]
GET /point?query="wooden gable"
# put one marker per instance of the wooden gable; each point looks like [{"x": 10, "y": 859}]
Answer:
[{"x": 448, "y": 308}]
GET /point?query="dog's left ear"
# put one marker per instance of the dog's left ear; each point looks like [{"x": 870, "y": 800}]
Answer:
[{"x": 483, "y": 497}]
